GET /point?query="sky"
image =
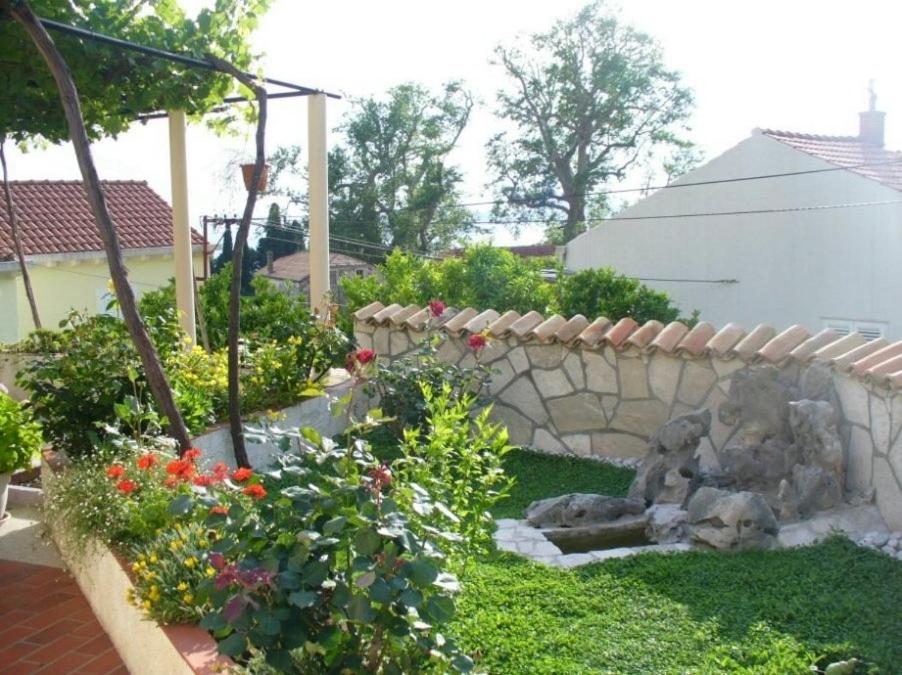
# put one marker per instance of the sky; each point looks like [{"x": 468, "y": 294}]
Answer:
[{"x": 799, "y": 65}]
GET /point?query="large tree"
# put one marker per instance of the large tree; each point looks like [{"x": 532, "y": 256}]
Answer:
[
  {"x": 586, "y": 101},
  {"x": 101, "y": 92},
  {"x": 390, "y": 179}
]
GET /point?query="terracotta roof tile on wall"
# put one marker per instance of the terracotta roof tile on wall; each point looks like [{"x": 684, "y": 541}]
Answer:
[
  {"x": 877, "y": 360},
  {"x": 55, "y": 218}
]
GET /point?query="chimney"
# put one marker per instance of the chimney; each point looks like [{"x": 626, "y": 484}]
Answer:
[
  {"x": 269, "y": 265},
  {"x": 870, "y": 122}
]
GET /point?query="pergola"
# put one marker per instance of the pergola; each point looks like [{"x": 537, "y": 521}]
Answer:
[{"x": 317, "y": 166}]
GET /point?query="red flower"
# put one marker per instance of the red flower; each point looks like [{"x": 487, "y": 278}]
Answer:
[
  {"x": 204, "y": 480},
  {"x": 242, "y": 474},
  {"x": 219, "y": 510},
  {"x": 436, "y": 308},
  {"x": 217, "y": 560},
  {"x": 192, "y": 454},
  {"x": 115, "y": 471},
  {"x": 126, "y": 486},
  {"x": 181, "y": 468},
  {"x": 477, "y": 341},
  {"x": 171, "y": 481},
  {"x": 147, "y": 460},
  {"x": 256, "y": 491},
  {"x": 221, "y": 470},
  {"x": 364, "y": 356},
  {"x": 382, "y": 475}
]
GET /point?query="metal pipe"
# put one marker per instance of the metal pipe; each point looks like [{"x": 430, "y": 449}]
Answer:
[{"x": 64, "y": 28}]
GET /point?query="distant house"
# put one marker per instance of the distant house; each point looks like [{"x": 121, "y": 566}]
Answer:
[
  {"x": 820, "y": 247},
  {"x": 292, "y": 272},
  {"x": 65, "y": 255}
]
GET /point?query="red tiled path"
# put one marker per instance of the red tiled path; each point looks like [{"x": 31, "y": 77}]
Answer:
[{"x": 46, "y": 625}]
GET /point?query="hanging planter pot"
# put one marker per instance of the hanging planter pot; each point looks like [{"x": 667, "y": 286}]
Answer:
[{"x": 247, "y": 171}]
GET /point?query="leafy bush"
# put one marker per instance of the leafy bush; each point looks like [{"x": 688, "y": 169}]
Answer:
[
  {"x": 459, "y": 460},
  {"x": 325, "y": 574},
  {"x": 398, "y": 385},
  {"x": 80, "y": 383},
  {"x": 485, "y": 277},
  {"x": 20, "y": 436},
  {"x": 603, "y": 292}
]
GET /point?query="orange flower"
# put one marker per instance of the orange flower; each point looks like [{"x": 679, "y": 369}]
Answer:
[
  {"x": 204, "y": 480},
  {"x": 181, "y": 468},
  {"x": 221, "y": 470},
  {"x": 192, "y": 454},
  {"x": 115, "y": 471},
  {"x": 171, "y": 481},
  {"x": 147, "y": 461},
  {"x": 242, "y": 474},
  {"x": 220, "y": 510},
  {"x": 256, "y": 491},
  {"x": 126, "y": 486}
]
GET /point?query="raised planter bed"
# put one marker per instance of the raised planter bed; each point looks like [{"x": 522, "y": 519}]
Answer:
[{"x": 145, "y": 646}]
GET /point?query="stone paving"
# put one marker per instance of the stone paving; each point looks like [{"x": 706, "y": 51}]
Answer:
[{"x": 518, "y": 536}]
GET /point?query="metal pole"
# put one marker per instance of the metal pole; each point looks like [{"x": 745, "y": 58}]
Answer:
[
  {"x": 181, "y": 228},
  {"x": 318, "y": 171}
]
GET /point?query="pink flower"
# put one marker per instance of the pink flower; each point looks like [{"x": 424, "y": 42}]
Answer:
[
  {"x": 477, "y": 341},
  {"x": 364, "y": 356},
  {"x": 436, "y": 308}
]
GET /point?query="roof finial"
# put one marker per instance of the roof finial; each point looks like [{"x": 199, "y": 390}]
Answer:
[{"x": 872, "y": 96}]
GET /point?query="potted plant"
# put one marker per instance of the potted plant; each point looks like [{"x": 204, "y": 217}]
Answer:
[
  {"x": 247, "y": 172},
  {"x": 20, "y": 442}
]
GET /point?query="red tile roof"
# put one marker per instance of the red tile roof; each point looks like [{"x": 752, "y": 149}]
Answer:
[
  {"x": 877, "y": 361},
  {"x": 54, "y": 217},
  {"x": 296, "y": 267},
  {"x": 885, "y": 166}
]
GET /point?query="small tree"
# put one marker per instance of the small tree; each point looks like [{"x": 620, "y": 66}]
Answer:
[
  {"x": 603, "y": 292},
  {"x": 588, "y": 99}
]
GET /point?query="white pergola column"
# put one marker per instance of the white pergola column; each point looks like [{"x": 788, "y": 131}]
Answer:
[
  {"x": 181, "y": 228},
  {"x": 318, "y": 172}
]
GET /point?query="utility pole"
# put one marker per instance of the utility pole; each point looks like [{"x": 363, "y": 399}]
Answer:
[
  {"x": 181, "y": 228},
  {"x": 318, "y": 171}
]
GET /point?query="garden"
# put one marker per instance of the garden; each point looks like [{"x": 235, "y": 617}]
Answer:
[{"x": 373, "y": 551}]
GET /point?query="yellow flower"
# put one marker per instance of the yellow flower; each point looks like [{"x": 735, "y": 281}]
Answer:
[
  {"x": 203, "y": 543},
  {"x": 188, "y": 598},
  {"x": 136, "y": 567},
  {"x": 210, "y": 572},
  {"x": 174, "y": 546},
  {"x": 182, "y": 586},
  {"x": 191, "y": 562},
  {"x": 153, "y": 560},
  {"x": 146, "y": 604}
]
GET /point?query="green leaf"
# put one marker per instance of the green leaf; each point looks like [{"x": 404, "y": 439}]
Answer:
[
  {"x": 360, "y": 610},
  {"x": 181, "y": 505},
  {"x": 280, "y": 659},
  {"x": 422, "y": 572},
  {"x": 440, "y": 608},
  {"x": 366, "y": 580},
  {"x": 334, "y": 525},
  {"x": 303, "y": 599},
  {"x": 235, "y": 645},
  {"x": 367, "y": 541},
  {"x": 411, "y": 597}
]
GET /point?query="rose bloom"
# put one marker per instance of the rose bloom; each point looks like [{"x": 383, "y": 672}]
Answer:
[
  {"x": 115, "y": 471},
  {"x": 126, "y": 486},
  {"x": 256, "y": 491},
  {"x": 436, "y": 308},
  {"x": 146, "y": 461},
  {"x": 242, "y": 474},
  {"x": 364, "y": 356},
  {"x": 477, "y": 341}
]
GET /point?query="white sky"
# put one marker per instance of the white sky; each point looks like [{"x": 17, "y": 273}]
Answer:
[{"x": 801, "y": 65}]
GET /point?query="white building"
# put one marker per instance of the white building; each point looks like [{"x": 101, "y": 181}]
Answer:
[{"x": 819, "y": 248}]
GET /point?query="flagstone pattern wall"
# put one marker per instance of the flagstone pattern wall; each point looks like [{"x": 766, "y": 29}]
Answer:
[{"x": 599, "y": 389}]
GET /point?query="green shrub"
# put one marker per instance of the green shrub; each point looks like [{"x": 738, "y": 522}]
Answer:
[
  {"x": 20, "y": 436},
  {"x": 397, "y": 385},
  {"x": 324, "y": 574},
  {"x": 458, "y": 458},
  {"x": 603, "y": 292},
  {"x": 484, "y": 277}
]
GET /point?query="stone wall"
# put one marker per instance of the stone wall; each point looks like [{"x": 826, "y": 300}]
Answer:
[{"x": 604, "y": 402}]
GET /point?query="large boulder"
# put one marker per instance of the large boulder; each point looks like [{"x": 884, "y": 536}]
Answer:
[
  {"x": 670, "y": 471},
  {"x": 666, "y": 523},
  {"x": 758, "y": 403},
  {"x": 580, "y": 510},
  {"x": 731, "y": 520},
  {"x": 816, "y": 436}
]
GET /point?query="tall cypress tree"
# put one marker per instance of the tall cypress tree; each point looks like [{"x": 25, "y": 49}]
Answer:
[{"x": 278, "y": 237}]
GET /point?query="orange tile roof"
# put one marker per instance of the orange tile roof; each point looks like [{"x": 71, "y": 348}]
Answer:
[
  {"x": 54, "y": 217},
  {"x": 885, "y": 166},
  {"x": 877, "y": 361}
]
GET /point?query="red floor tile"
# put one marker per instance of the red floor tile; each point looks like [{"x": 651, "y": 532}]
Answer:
[{"x": 48, "y": 626}]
